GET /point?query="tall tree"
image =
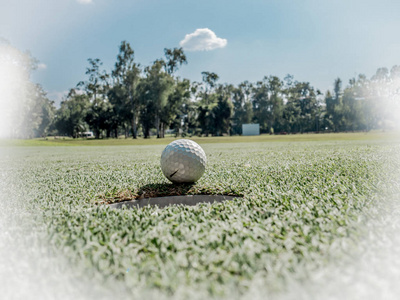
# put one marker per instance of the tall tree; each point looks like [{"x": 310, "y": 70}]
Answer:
[
  {"x": 207, "y": 103},
  {"x": 260, "y": 101},
  {"x": 301, "y": 109},
  {"x": 37, "y": 113},
  {"x": 124, "y": 94},
  {"x": 174, "y": 59},
  {"x": 155, "y": 90},
  {"x": 335, "y": 108},
  {"x": 25, "y": 112},
  {"x": 99, "y": 116},
  {"x": 275, "y": 105},
  {"x": 97, "y": 82},
  {"x": 173, "y": 113},
  {"x": 223, "y": 110},
  {"x": 96, "y": 88},
  {"x": 47, "y": 113},
  {"x": 71, "y": 116},
  {"x": 242, "y": 106}
]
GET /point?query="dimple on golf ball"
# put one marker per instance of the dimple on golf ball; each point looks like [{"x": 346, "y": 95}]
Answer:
[{"x": 183, "y": 161}]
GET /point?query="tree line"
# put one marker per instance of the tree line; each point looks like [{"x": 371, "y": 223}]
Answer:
[
  {"x": 133, "y": 100},
  {"x": 25, "y": 110}
]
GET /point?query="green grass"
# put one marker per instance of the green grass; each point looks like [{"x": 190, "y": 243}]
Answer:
[
  {"x": 66, "y": 141},
  {"x": 304, "y": 206}
]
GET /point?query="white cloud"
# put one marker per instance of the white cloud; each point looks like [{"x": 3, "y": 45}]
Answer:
[
  {"x": 41, "y": 66},
  {"x": 203, "y": 39},
  {"x": 84, "y": 1}
]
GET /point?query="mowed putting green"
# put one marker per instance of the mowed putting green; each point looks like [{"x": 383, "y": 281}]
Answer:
[{"x": 303, "y": 207}]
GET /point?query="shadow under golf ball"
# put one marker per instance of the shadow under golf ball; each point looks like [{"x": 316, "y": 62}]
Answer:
[{"x": 189, "y": 200}]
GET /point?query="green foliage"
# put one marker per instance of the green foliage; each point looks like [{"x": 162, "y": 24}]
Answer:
[
  {"x": 124, "y": 95},
  {"x": 242, "y": 106},
  {"x": 365, "y": 104},
  {"x": 222, "y": 111},
  {"x": 215, "y": 108},
  {"x": 175, "y": 57},
  {"x": 36, "y": 115},
  {"x": 268, "y": 103},
  {"x": 154, "y": 100},
  {"x": 301, "y": 109},
  {"x": 26, "y": 112},
  {"x": 99, "y": 113},
  {"x": 100, "y": 116},
  {"x": 71, "y": 116},
  {"x": 155, "y": 89},
  {"x": 178, "y": 102},
  {"x": 97, "y": 84}
]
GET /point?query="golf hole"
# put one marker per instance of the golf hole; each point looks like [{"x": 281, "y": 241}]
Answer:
[{"x": 188, "y": 200}]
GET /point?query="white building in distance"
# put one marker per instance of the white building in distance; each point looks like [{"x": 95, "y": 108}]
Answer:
[{"x": 250, "y": 129}]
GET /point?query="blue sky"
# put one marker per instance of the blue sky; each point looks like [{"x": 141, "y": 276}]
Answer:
[{"x": 316, "y": 41}]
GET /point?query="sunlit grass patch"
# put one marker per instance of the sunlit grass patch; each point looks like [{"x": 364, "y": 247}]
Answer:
[{"x": 307, "y": 137}]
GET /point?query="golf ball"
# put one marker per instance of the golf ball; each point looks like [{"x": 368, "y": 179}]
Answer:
[{"x": 183, "y": 161}]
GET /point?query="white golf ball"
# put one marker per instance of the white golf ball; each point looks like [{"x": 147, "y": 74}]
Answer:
[{"x": 183, "y": 161}]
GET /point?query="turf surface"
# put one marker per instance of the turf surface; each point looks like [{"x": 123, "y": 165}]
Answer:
[
  {"x": 343, "y": 136},
  {"x": 304, "y": 206}
]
